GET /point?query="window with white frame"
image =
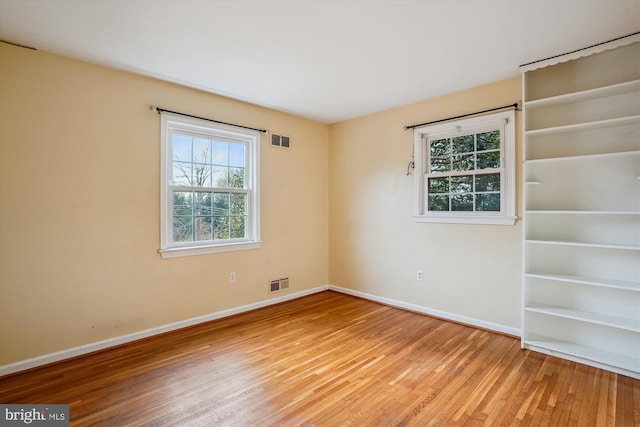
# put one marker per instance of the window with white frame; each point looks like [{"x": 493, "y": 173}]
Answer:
[
  {"x": 209, "y": 187},
  {"x": 465, "y": 171}
]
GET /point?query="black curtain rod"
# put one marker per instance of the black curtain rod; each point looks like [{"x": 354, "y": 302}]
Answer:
[
  {"x": 583, "y": 48},
  {"x": 161, "y": 110},
  {"x": 514, "y": 106}
]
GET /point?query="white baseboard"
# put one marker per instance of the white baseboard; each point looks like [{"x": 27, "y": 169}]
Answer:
[
  {"x": 123, "y": 339},
  {"x": 483, "y": 324}
]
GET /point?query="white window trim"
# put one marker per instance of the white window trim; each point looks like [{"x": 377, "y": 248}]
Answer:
[
  {"x": 173, "y": 121},
  {"x": 507, "y": 215}
]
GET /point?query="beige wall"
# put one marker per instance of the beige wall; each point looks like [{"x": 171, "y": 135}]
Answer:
[
  {"x": 376, "y": 247},
  {"x": 79, "y": 211},
  {"x": 79, "y": 207}
]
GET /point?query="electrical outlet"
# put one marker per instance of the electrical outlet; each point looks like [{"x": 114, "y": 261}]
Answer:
[
  {"x": 419, "y": 275},
  {"x": 232, "y": 277}
]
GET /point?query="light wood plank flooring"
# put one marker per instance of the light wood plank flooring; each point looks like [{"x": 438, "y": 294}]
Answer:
[{"x": 329, "y": 360}]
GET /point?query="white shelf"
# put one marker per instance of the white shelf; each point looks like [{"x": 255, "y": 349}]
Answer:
[
  {"x": 611, "y": 139},
  {"x": 632, "y": 325},
  {"x": 576, "y": 350},
  {"x": 584, "y": 157},
  {"x": 553, "y": 212},
  {"x": 581, "y": 229},
  {"x": 586, "y": 244},
  {"x": 584, "y": 95},
  {"x": 589, "y": 281},
  {"x": 583, "y": 126},
  {"x": 605, "y": 184}
]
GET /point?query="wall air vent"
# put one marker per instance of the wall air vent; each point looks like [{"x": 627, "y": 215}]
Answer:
[
  {"x": 279, "y": 284},
  {"x": 281, "y": 141}
]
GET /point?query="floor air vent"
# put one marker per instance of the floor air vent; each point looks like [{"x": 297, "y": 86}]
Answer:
[
  {"x": 280, "y": 141},
  {"x": 279, "y": 284}
]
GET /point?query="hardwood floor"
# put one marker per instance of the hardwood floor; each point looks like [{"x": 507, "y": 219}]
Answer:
[{"x": 328, "y": 360}]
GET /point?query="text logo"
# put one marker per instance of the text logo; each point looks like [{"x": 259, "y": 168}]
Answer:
[{"x": 34, "y": 415}]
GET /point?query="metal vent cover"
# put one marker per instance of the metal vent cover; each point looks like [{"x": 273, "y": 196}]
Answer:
[
  {"x": 277, "y": 285},
  {"x": 274, "y": 285},
  {"x": 281, "y": 141}
]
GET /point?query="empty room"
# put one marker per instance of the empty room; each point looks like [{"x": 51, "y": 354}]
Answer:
[{"x": 319, "y": 213}]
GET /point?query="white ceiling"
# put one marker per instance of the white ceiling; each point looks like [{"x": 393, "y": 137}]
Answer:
[{"x": 322, "y": 59}]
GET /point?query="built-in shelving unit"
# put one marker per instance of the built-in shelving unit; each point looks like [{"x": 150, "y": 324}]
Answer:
[{"x": 581, "y": 285}]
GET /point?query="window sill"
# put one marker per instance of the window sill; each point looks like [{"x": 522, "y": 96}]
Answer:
[
  {"x": 201, "y": 250},
  {"x": 468, "y": 219}
]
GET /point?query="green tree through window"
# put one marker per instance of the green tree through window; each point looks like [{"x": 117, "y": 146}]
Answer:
[
  {"x": 212, "y": 167},
  {"x": 466, "y": 172}
]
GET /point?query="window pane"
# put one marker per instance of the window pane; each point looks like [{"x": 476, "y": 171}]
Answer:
[
  {"x": 238, "y": 227},
  {"x": 236, "y": 155},
  {"x": 462, "y": 184},
  {"x": 238, "y": 204},
  {"x": 202, "y": 204},
  {"x": 201, "y": 150},
  {"x": 201, "y": 175},
  {"x": 440, "y": 164},
  {"x": 489, "y": 140},
  {"x": 489, "y": 160},
  {"x": 182, "y": 205},
  {"x": 438, "y": 203},
  {"x": 462, "y": 144},
  {"x": 219, "y": 176},
  {"x": 202, "y": 228},
  {"x": 439, "y": 147},
  {"x": 221, "y": 204},
  {"x": 181, "y": 148},
  {"x": 182, "y": 229},
  {"x": 488, "y": 202},
  {"x": 182, "y": 216},
  {"x": 463, "y": 162},
  {"x": 490, "y": 182},
  {"x": 236, "y": 177},
  {"x": 182, "y": 173},
  {"x": 439, "y": 185},
  {"x": 221, "y": 228},
  {"x": 462, "y": 202},
  {"x": 220, "y": 153}
]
